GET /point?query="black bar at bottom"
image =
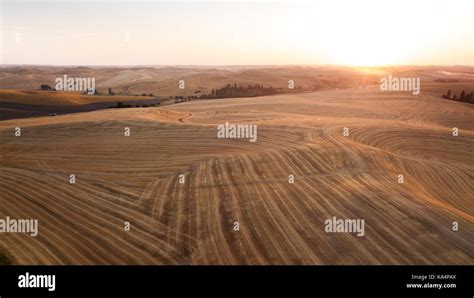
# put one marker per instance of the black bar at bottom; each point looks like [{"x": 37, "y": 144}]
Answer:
[{"x": 220, "y": 281}]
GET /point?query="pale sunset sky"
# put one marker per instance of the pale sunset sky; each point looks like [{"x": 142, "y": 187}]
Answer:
[{"x": 336, "y": 32}]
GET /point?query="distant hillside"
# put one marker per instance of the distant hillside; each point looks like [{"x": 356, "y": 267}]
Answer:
[
  {"x": 198, "y": 80},
  {"x": 164, "y": 81}
]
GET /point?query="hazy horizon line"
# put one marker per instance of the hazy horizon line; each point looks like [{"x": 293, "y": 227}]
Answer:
[{"x": 237, "y": 65}]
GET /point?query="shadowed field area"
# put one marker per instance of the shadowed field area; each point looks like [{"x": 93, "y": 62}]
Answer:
[{"x": 136, "y": 179}]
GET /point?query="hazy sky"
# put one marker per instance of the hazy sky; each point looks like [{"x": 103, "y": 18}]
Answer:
[{"x": 222, "y": 33}]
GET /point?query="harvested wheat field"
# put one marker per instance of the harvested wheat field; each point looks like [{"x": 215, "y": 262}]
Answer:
[
  {"x": 136, "y": 179},
  {"x": 37, "y": 97}
]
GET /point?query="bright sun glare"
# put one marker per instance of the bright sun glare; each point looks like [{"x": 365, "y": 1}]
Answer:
[
  {"x": 376, "y": 33},
  {"x": 371, "y": 36}
]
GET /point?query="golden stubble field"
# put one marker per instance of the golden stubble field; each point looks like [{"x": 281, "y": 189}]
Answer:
[{"x": 136, "y": 179}]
